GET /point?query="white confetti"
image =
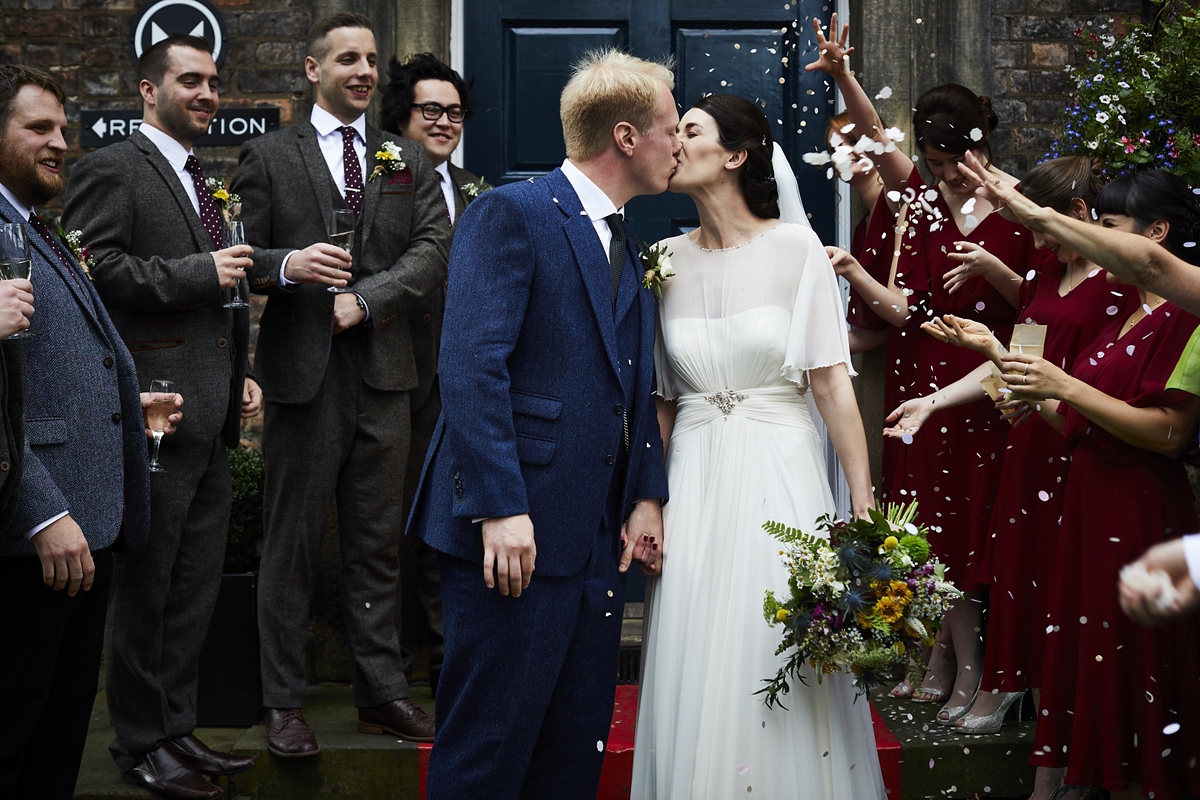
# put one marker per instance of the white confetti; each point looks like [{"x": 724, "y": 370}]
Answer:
[
  {"x": 976, "y": 134},
  {"x": 1111, "y": 310},
  {"x": 884, "y": 93},
  {"x": 1129, "y": 350},
  {"x": 969, "y": 206},
  {"x": 971, "y": 221},
  {"x": 599, "y": 747},
  {"x": 1043, "y": 495},
  {"x": 907, "y": 438},
  {"x": 980, "y": 306},
  {"x": 742, "y": 769},
  {"x": 1031, "y": 274},
  {"x": 1172, "y": 728}
]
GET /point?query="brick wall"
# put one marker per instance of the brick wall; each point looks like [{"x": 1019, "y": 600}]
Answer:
[
  {"x": 1032, "y": 40},
  {"x": 85, "y": 43}
]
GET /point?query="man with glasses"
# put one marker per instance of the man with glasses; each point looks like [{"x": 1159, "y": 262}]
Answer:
[{"x": 428, "y": 102}]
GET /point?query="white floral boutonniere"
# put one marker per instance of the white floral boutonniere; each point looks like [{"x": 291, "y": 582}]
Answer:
[
  {"x": 656, "y": 262},
  {"x": 73, "y": 241},
  {"x": 229, "y": 203},
  {"x": 389, "y": 159},
  {"x": 475, "y": 189}
]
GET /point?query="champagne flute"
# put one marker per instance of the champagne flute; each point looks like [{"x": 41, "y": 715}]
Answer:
[
  {"x": 162, "y": 405},
  {"x": 343, "y": 236},
  {"x": 14, "y": 260},
  {"x": 235, "y": 234}
]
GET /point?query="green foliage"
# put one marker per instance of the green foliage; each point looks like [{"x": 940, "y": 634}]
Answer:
[
  {"x": 246, "y": 517},
  {"x": 790, "y": 535},
  {"x": 1134, "y": 98}
]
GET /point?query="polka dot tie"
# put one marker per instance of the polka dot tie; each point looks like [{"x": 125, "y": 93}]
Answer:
[
  {"x": 210, "y": 215},
  {"x": 354, "y": 184}
]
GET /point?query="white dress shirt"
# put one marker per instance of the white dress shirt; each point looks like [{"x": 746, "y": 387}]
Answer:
[
  {"x": 596, "y": 204},
  {"x": 443, "y": 170},
  {"x": 176, "y": 156}
]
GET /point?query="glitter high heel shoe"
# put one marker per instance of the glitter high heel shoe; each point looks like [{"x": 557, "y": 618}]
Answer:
[
  {"x": 953, "y": 713},
  {"x": 981, "y": 726}
]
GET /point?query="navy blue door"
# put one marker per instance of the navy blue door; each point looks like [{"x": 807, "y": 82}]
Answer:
[{"x": 520, "y": 54}]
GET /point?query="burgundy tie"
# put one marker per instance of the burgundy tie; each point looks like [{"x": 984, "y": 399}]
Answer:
[
  {"x": 354, "y": 183},
  {"x": 39, "y": 225},
  {"x": 442, "y": 179},
  {"x": 210, "y": 215}
]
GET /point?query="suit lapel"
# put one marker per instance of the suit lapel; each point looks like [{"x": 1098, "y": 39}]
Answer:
[
  {"x": 70, "y": 275},
  {"x": 318, "y": 171},
  {"x": 590, "y": 258},
  {"x": 158, "y": 161},
  {"x": 371, "y": 189}
]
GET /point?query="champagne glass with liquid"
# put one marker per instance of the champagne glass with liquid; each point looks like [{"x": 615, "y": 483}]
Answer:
[
  {"x": 343, "y": 237},
  {"x": 162, "y": 405},
  {"x": 236, "y": 234},
  {"x": 14, "y": 260}
]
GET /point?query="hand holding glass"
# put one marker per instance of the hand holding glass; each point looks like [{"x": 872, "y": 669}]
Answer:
[
  {"x": 234, "y": 298},
  {"x": 343, "y": 236},
  {"x": 15, "y": 260},
  {"x": 162, "y": 405}
]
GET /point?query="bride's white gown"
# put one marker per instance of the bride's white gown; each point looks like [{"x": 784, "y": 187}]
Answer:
[{"x": 739, "y": 328}]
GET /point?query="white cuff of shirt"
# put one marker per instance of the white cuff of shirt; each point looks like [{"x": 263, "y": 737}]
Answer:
[
  {"x": 283, "y": 281},
  {"x": 1191, "y": 551},
  {"x": 34, "y": 531}
]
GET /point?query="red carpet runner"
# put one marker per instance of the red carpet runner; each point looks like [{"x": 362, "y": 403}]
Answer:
[{"x": 618, "y": 759}]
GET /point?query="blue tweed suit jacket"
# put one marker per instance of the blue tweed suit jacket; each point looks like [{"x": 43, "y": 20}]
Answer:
[
  {"x": 85, "y": 444},
  {"x": 534, "y": 397}
]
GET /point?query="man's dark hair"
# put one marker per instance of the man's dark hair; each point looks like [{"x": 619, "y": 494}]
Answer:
[
  {"x": 13, "y": 77},
  {"x": 400, "y": 93},
  {"x": 155, "y": 60},
  {"x": 316, "y": 47}
]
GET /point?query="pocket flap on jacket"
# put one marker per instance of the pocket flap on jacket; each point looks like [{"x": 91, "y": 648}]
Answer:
[
  {"x": 46, "y": 431},
  {"x": 535, "y": 450},
  {"x": 535, "y": 405}
]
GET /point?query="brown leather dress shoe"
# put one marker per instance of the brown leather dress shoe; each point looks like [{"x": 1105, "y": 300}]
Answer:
[
  {"x": 288, "y": 735},
  {"x": 165, "y": 774},
  {"x": 401, "y": 718},
  {"x": 206, "y": 760}
]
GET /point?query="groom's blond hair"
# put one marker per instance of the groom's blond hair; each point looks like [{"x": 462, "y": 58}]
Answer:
[{"x": 607, "y": 87}]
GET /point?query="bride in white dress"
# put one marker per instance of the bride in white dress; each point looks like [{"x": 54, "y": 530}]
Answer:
[{"x": 750, "y": 323}]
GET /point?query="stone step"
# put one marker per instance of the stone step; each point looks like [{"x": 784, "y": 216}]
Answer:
[{"x": 920, "y": 759}]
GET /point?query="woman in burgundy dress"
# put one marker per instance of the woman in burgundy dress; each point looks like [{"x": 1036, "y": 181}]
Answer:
[
  {"x": 1119, "y": 702},
  {"x": 945, "y": 267},
  {"x": 1072, "y": 298}
]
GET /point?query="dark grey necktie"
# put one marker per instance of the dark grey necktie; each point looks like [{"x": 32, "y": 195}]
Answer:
[{"x": 616, "y": 251}]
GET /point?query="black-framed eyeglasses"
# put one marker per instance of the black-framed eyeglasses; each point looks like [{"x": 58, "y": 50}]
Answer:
[{"x": 434, "y": 111}]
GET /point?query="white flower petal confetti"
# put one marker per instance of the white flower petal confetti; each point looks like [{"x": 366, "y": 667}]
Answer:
[
  {"x": 599, "y": 747},
  {"x": 742, "y": 769},
  {"x": 1043, "y": 495},
  {"x": 976, "y": 134},
  {"x": 884, "y": 93},
  {"x": 1172, "y": 728}
]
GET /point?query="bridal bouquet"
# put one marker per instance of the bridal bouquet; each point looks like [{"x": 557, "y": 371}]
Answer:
[{"x": 857, "y": 599}]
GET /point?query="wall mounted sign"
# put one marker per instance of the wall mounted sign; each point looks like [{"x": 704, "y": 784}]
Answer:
[
  {"x": 162, "y": 18},
  {"x": 230, "y": 126}
]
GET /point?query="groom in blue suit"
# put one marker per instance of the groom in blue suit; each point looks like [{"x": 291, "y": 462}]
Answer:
[{"x": 545, "y": 477}]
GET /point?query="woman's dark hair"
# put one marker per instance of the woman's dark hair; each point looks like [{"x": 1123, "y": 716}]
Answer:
[
  {"x": 947, "y": 116},
  {"x": 1055, "y": 183},
  {"x": 742, "y": 126},
  {"x": 1153, "y": 195}
]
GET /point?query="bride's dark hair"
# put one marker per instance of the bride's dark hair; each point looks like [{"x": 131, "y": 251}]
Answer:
[{"x": 742, "y": 126}]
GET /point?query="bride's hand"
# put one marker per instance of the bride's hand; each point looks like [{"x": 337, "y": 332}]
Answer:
[
  {"x": 833, "y": 52},
  {"x": 642, "y": 538},
  {"x": 908, "y": 418},
  {"x": 962, "y": 332}
]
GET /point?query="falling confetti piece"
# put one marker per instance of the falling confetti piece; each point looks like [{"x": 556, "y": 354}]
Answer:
[
  {"x": 1043, "y": 495},
  {"x": 600, "y": 747},
  {"x": 1129, "y": 350},
  {"x": 975, "y": 134},
  {"x": 1172, "y": 728},
  {"x": 1031, "y": 274},
  {"x": 1083, "y": 620},
  {"x": 742, "y": 769},
  {"x": 884, "y": 93},
  {"x": 907, "y": 438},
  {"x": 931, "y": 763},
  {"x": 368, "y": 605},
  {"x": 980, "y": 306}
]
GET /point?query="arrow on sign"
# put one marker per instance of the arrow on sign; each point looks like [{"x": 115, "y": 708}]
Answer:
[
  {"x": 101, "y": 127},
  {"x": 157, "y": 34}
]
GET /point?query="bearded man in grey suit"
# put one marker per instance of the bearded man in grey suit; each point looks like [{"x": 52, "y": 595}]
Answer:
[
  {"x": 157, "y": 239},
  {"x": 84, "y": 490},
  {"x": 336, "y": 371}
]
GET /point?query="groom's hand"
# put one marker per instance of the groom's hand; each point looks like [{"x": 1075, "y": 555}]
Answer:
[
  {"x": 509, "y": 553},
  {"x": 642, "y": 538}
]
